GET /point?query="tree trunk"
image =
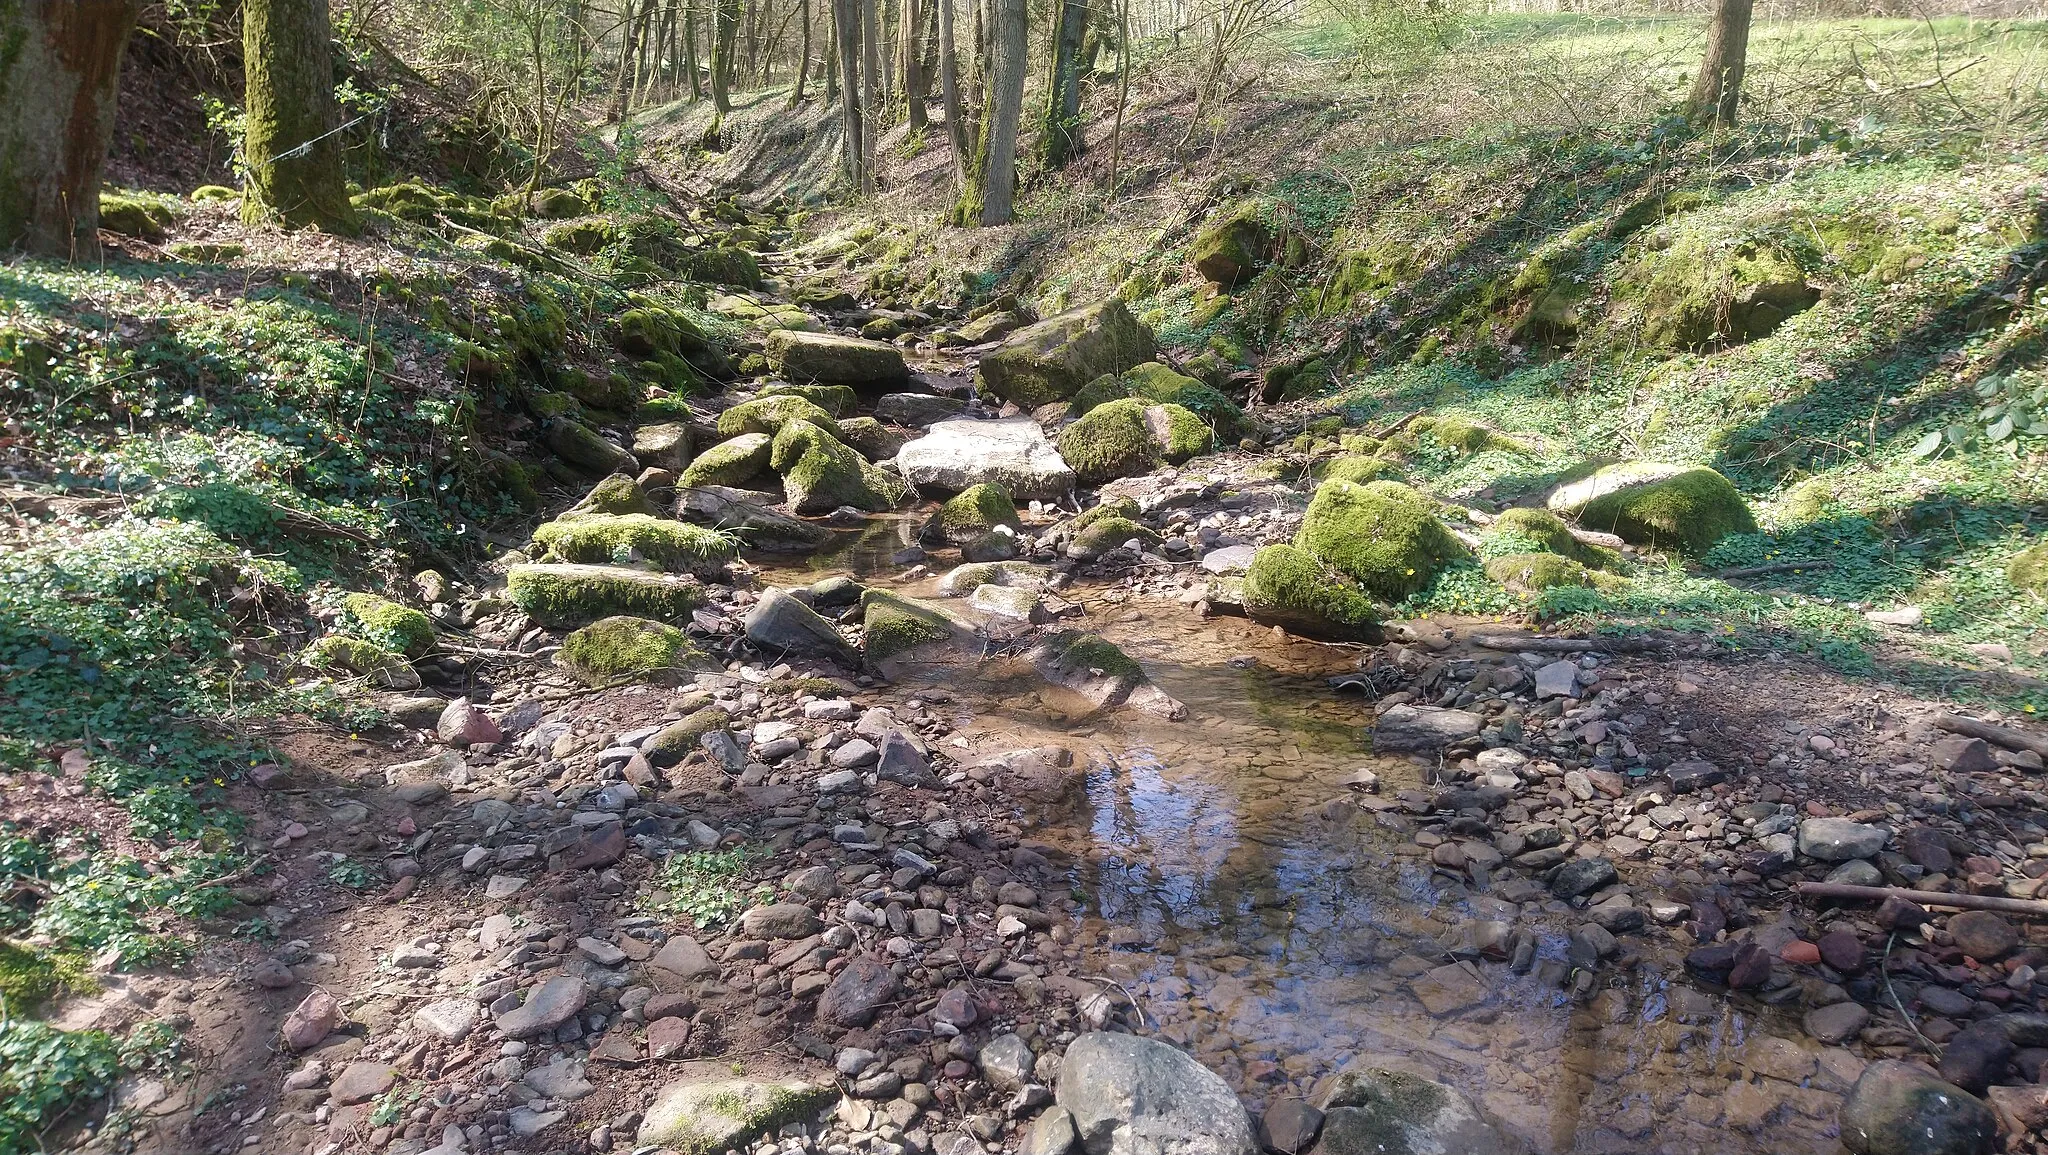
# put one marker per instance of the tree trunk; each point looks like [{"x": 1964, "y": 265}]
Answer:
[
  {"x": 870, "y": 87},
  {"x": 913, "y": 64},
  {"x": 1060, "y": 132},
  {"x": 949, "y": 93},
  {"x": 724, "y": 34},
  {"x": 846, "y": 24},
  {"x": 826, "y": 9},
  {"x": 1718, "y": 88},
  {"x": 1123, "y": 88},
  {"x": 803, "y": 56},
  {"x": 992, "y": 183},
  {"x": 752, "y": 56},
  {"x": 292, "y": 147},
  {"x": 60, "y": 65},
  {"x": 690, "y": 51},
  {"x": 617, "y": 113}
]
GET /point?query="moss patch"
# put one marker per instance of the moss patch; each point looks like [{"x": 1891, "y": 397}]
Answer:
[
  {"x": 1468, "y": 436},
  {"x": 1528, "y": 573},
  {"x": 1105, "y": 534},
  {"x": 837, "y": 400},
  {"x": 145, "y": 217},
  {"x": 1110, "y": 441},
  {"x": 1291, "y": 587},
  {"x": 975, "y": 511},
  {"x": 388, "y": 624},
  {"x": 677, "y": 739},
  {"x": 1524, "y": 529},
  {"x": 1698, "y": 293},
  {"x": 1383, "y": 534},
  {"x": 819, "y": 474},
  {"x": 1123, "y": 507},
  {"x": 673, "y": 545},
  {"x": 558, "y": 596},
  {"x": 1095, "y": 655},
  {"x": 628, "y": 649},
  {"x": 2028, "y": 570},
  {"x": 731, "y": 463},
  {"x": 1668, "y": 506},
  {"x": 893, "y": 625},
  {"x": 1359, "y": 469},
  {"x": 27, "y": 977},
  {"x": 1181, "y": 434},
  {"x": 770, "y": 414},
  {"x": 379, "y": 666}
]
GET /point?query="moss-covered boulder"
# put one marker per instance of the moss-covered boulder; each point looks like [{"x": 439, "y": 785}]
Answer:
[
  {"x": 732, "y": 463},
  {"x": 705, "y": 1118},
  {"x": 1160, "y": 385},
  {"x": 650, "y": 329},
  {"x": 1699, "y": 292},
  {"x": 820, "y": 474},
  {"x": 1098, "y": 537},
  {"x": 1358, "y": 469},
  {"x": 721, "y": 265},
  {"x": 1052, "y": 360},
  {"x": 628, "y": 649},
  {"x": 893, "y": 625},
  {"x": 1235, "y": 247},
  {"x": 613, "y": 392},
  {"x": 585, "y": 449},
  {"x": 972, "y": 513},
  {"x": 560, "y": 596},
  {"x": 828, "y": 359},
  {"x": 837, "y": 400},
  {"x": 675, "y": 546},
  {"x": 376, "y": 665},
  {"x": 1128, "y": 438},
  {"x": 384, "y": 622},
  {"x": 870, "y": 438},
  {"x": 1527, "y": 530},
  {"x": 616, "y": 495},
  {"x": 1382, "y": 534},
  {"x": 2028, "y": 569},
  {"x": 769, "y": 414},
  {"x": 142, "y": 217},
  {"x": 1528, "y": 573},
  {"x": 1101, "y": 673},
  {"x": 1676, "y": 507},
  {"x": 580, "y": 238},
  {"x": 663, "y": 446},
  {"x": 1291, "y": 587},
  {"x": 1468, "y": 436},
  {"x": 961, "y": 581}
]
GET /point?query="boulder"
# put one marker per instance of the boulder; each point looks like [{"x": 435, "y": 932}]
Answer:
[
  {"x": 1839, "y": 840},
  {"x": 628, "y": 649},
  {"x": 1234, "y": 248},
  {"x": 730, "y": 463},
  {"x": 971, "y": 513},
  {"x": 820, "y": 474},
  {"x": 962, "y": 581},
  {"x": 1383, "y": 535},
  {"x": 1053, "y": 359},
  {"x": 757, "y": 526},
  {"x": 917, "y": 410},
  {"x": 870, "y": 438},
  {"x": 1098, "y": 671},
  {"x": 582, "y": 447},
  {"x": 1014, "y": 453},
  {"x": 1699, "y": 293},
  {"x": 1422, "y": 728},
  {"x": 779, "y": 625},
  {"x": 857, "y": 993},
  {"x": 770, "y": 414},
  {"x": 893, "y": 625},
  {"x": 828, "y": 359},
  {"x": 1137, "y": 1096},
  {"x": 546, "y": 1007},
  {"x": 1128, "y": 438},
  {"x": 1676, "y": 507},
  {"x": 708, "y": 1117},
  {"x": 376, "y": 665},
  {"x": 1156, "y": 384},
  {"x": 835, "y": 400},
  {"x": 560, "y": 596},
  {"x": 1292, "y": 588},
  {"x": 664, "y": 446},
  {"x": 675, "y": 546},
  {"x": 617, "y": 495},
  {"x": 1900, "y": 1108},
  {"x": 1380, "y": 1104}
]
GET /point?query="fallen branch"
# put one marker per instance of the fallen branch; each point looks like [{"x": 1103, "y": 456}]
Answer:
[
  {"x": 1519, "y": 643},
  {"x": 1774, "y": 567},
  {"x": 2032, "y": 908},
  {"x": 2004, "y": 736}
]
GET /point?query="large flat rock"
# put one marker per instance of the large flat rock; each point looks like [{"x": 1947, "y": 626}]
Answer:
[{"x": 1013, "y": 453}]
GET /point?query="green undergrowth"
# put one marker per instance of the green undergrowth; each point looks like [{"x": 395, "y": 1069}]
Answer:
[
  {"x": 47, "y": 1074},
  {"x": 706, "y": 887}
]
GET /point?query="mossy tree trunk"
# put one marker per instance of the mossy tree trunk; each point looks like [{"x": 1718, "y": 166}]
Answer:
[
  {"x": 957, "y": 132},
  {"x": 1060, "y": 137},
  {"x": 1717, "y": 90},
  {"x": 291, "y": 144},
  {"x": 992, "y": 173},
  {"x": 60, "y": 67},
  {"x": 846, "y": 31}
]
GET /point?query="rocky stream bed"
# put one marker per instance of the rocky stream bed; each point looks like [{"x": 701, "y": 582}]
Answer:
[{"x": 767, "y": 805}]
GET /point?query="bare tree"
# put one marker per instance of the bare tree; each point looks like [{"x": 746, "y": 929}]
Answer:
[
  {"x": 1060, "y": 136},
  {"x": 870, "y": 88},
  {"x": 803, "y": 54},
  {"x": 1718, "y": 88},
  {"x": 912, "y": 21},
  {"x": 949, "y": 92},
  {"x": 846, "y": 25},
  {"x": 58, "y": 76},
  {"x": 724, "y": 38},
  {"x": 291, "y": 142},
  {"x": 992, "y": 174}
]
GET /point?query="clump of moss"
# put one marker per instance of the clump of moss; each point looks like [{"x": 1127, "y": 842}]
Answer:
[
  {"x": 1077, "y": 652},
  {"x": 208, "y": 193},
  {"x": 1160, "y": 385},
  {"x": 836, "y": 400},
  {"x": 144, "y": 217},
  {"x": 27, "y": 977},
  {"x": 1383, "y": 534},
  {"x": 973, "y": 512},
  {"x": 1110, "y": 441},
  {"x": 893, "y": 625},
  {"x": 1646, "y": 503},
  {"x": 628, "y": 649},
  {"x": 673, "y": 545},
  {"x": 1123, "y": 507},
  {"x": 1105, "y": 534},
  {"x": 731, "y": 463},
  {"x": 2028, "y": 569},
  {"x": 1698, "y": 293},
  {"x": 1358, "y": 469},
  {"x": 1291, "y": 587},
  {"x": 388, "y": 624},
  {"x": 819, "y": 474},
  {"x": 371, "y": 662},
  {"x": 1523, "y": 529},
  {"x": 770, "y": 414},
  {"x": 1468, "y": 436},
  {"x": 1528, "y": 573},
  {"x": 559, "y": 596}
]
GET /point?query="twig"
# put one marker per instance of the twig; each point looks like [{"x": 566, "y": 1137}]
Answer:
[
  {"x": 2032, "y": 908},
  {"x": 1884, "y": 969},
  {"x": 236, "y": 875}
]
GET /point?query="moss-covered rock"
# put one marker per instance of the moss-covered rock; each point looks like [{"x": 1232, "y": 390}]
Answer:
[
  {"x": 1180, "y": 433},
  {"x": 1162, "y": 386},
  {"x": 733, "y": 463},
  {"x": 384, "y": 622},
  {"x": 1123, "y": 507},
  {"x": 617, "y": 495},
  {"x": 1698, "y": 292},
  {"x": 1524, "y": 529},
  {"x": 1113, "y": 440},
  {"x": 675, "y": 546},
  {"x": 1100, "y": 536},
  {"x": 1528, "y": 573},
  {"x": 650, "y": 329},
  {"x": 837, "y": 400},
  {"x": 214, "y": 194},
  {"x": 1291, "y": 587},
  {"x": 1675, "y": 507},
  {"x": 205, "y": 252},
  {"x": 1093, "y": 667},
  {"x": 705, "y": 1118},
  {"x": 581, "y": 238},
  {"x": 680, "y": 738},
  {"x": 379, "y": 667},
  {"x": 559, "y": 596},
  {"x": 614, "y": 392},
  {"x": 769, "y": 414},
  {"x": 560, "y": 204},
  {"x": 960, "y": 581},
  {"x": 820, "y": 474},
  {"x": 663, "y": 446},
  {"x": 971, "y": 513},
  {"x": 1052, "y": 360},
  {"x": 870, "y": 438},
  {"x": 893, "y": 625},
  {"x": 585, "y": 449},
  {"x": 2028, "y": 569},
  {"x": 1358, "y": 469},
  {"x": 629, "y": 649},
  {"x": 828, "y": 359},
  {"x": 1385, "y": 535},
  {"x": 1468, "y": 436},
  {"x": 1236, "y": 247},
  {"x": 721, "y": 265},
  {"x": 142, "y": 217}
]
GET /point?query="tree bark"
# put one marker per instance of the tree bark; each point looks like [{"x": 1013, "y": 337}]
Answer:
[
  {"x": 949, "y": 92},
  {"x": 803, "y": 56},
  {"x": 1717, "y": 90},
  {"x": 60, "y": 66},
  {"x": 724, "y": 34},
  {"x": 291, "y": 145},
  {"x": 992, "y": 177},
  {"x": 690, "y": 51},
  {"x": 870, "y": 88},
  {"x": 1060, "y": 133},
  {"x": 825, "y": 10},
  {"x": 846, "y": 24},
  {"x": 913, "y": 64}
]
